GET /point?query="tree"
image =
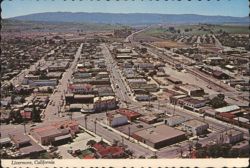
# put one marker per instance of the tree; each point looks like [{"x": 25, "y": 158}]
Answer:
[
  {"x": 201, "y": 153},
  {"x": 141, "y": 157},
  {"x": 91, "y": 142},
  {"x": 22, "y": 100},
  {"x": 49, "y": 90},
  {"x": 218, "y": 150},
  {"x": 12, "y": 99},
  {"x": 233, "y": 153},
  {"x": 218, "y": 101},
  {"x": 35, "y": 114},
  {"x": 16, "y": 116}
]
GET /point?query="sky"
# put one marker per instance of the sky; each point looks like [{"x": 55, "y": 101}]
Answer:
[{"x": 239, "y": 8}]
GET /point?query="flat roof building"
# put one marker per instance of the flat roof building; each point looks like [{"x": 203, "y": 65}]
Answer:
[
  {"x": 191, "y": 90},
  {"x": 195, "y": 127},
  {"x": 159, "y": 136}
]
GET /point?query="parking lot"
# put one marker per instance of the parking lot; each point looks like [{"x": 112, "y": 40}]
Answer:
[{"x": 78, "y": 143}]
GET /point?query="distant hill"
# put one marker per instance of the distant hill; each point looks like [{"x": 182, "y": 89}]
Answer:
[
  {"x": 27, "y": 25},
  {"x": 130, "y": 18}
]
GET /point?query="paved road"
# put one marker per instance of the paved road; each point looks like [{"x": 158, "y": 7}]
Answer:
[
  {"x": 111, "y": 136},
  {"x": 121, "y": 89},
  {"x": 52, "y": 110}
]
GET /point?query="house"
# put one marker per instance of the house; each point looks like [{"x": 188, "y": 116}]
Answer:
[
  {"x": 26, "y": 113},
  {"x": 108, "y": 151},
  {"x": 195, "y": 127}
]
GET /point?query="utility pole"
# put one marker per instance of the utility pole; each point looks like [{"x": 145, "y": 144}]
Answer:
[
  {"x": 85, "y": 119},
  {"x": 122, "y": 141},
  {"x": 174, "y": 110},
  {"x": 95, "y": 125},
  {"x": 24, "y": 127},
  {"x": 129, "y": 131}
]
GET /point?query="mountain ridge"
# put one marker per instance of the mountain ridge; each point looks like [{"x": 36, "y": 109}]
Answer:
[{"x": 129, "y": 18}]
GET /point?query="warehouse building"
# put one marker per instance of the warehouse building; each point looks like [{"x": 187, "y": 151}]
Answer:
[
  {"x": 191, "y": 90},
  {"x": 159, "y": 136}
]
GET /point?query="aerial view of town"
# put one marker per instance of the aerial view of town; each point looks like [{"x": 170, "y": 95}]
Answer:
[{"x": 123, "y": 85}]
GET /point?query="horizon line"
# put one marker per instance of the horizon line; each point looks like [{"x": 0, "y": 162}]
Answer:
[{"x": 128, "y": 13}]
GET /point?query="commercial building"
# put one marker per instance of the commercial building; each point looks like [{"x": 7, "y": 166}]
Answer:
[
  {"x": 20, "y": 139},
  {"x": 55, "y": 133},
  {"x": 175, "y": 120},
  {"x": 36, "y": 83},
  {"x": 159, "y": 136},
  {"x": 80, "y": 88},
  {"x": 230, "y": 136},
  {"x": 191, "y": 90},
  {"x": 74, "y": 99},
  {"x": 59, "y": 65},
  {"x": 227, "y": 109},
  {"x": 195, "y": 127},
  {"x": 131, "y": 115},
  {"x": 104, "y": 103},
  {"x": 192, "y": 103},
  {"x": 115, "y": 120},
  {"x": 149, "y": 119}
]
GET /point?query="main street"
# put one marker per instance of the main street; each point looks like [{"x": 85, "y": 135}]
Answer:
[
  {"x": 56, "y": 99},
  {"x": 121, "y": 89}
]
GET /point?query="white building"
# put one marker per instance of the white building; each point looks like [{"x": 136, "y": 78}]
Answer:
[
  {"x": 175, "y": 120},
  {"x": 117, "y": 120},
  {"x": 231, "y": 136},
  {"x": 104, "y": 103},
  {"x": 195, "y": 127}
]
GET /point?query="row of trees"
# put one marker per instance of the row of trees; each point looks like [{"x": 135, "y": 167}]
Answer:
[
  {"x": 16, "y": 116},
  {"x": 220, "y": 150}
]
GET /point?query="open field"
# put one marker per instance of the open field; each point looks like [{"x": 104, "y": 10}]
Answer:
[
  {"x": 169, "y": 44},
  {"x": 196, "y": 30},
  {"x": 35, "y": 26}
]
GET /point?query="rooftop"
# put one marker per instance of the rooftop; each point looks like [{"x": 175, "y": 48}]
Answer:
[
  {"x": 190, "y": 87},
  {"x": 232, "y": 132},
  {"x": 227, "y": 109},
  {"x": 128, "y": 112},
  {"x": 18, "y": 138},
  {"x": 194, "y": 123},
  {"x": 159, "y": 133}
]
